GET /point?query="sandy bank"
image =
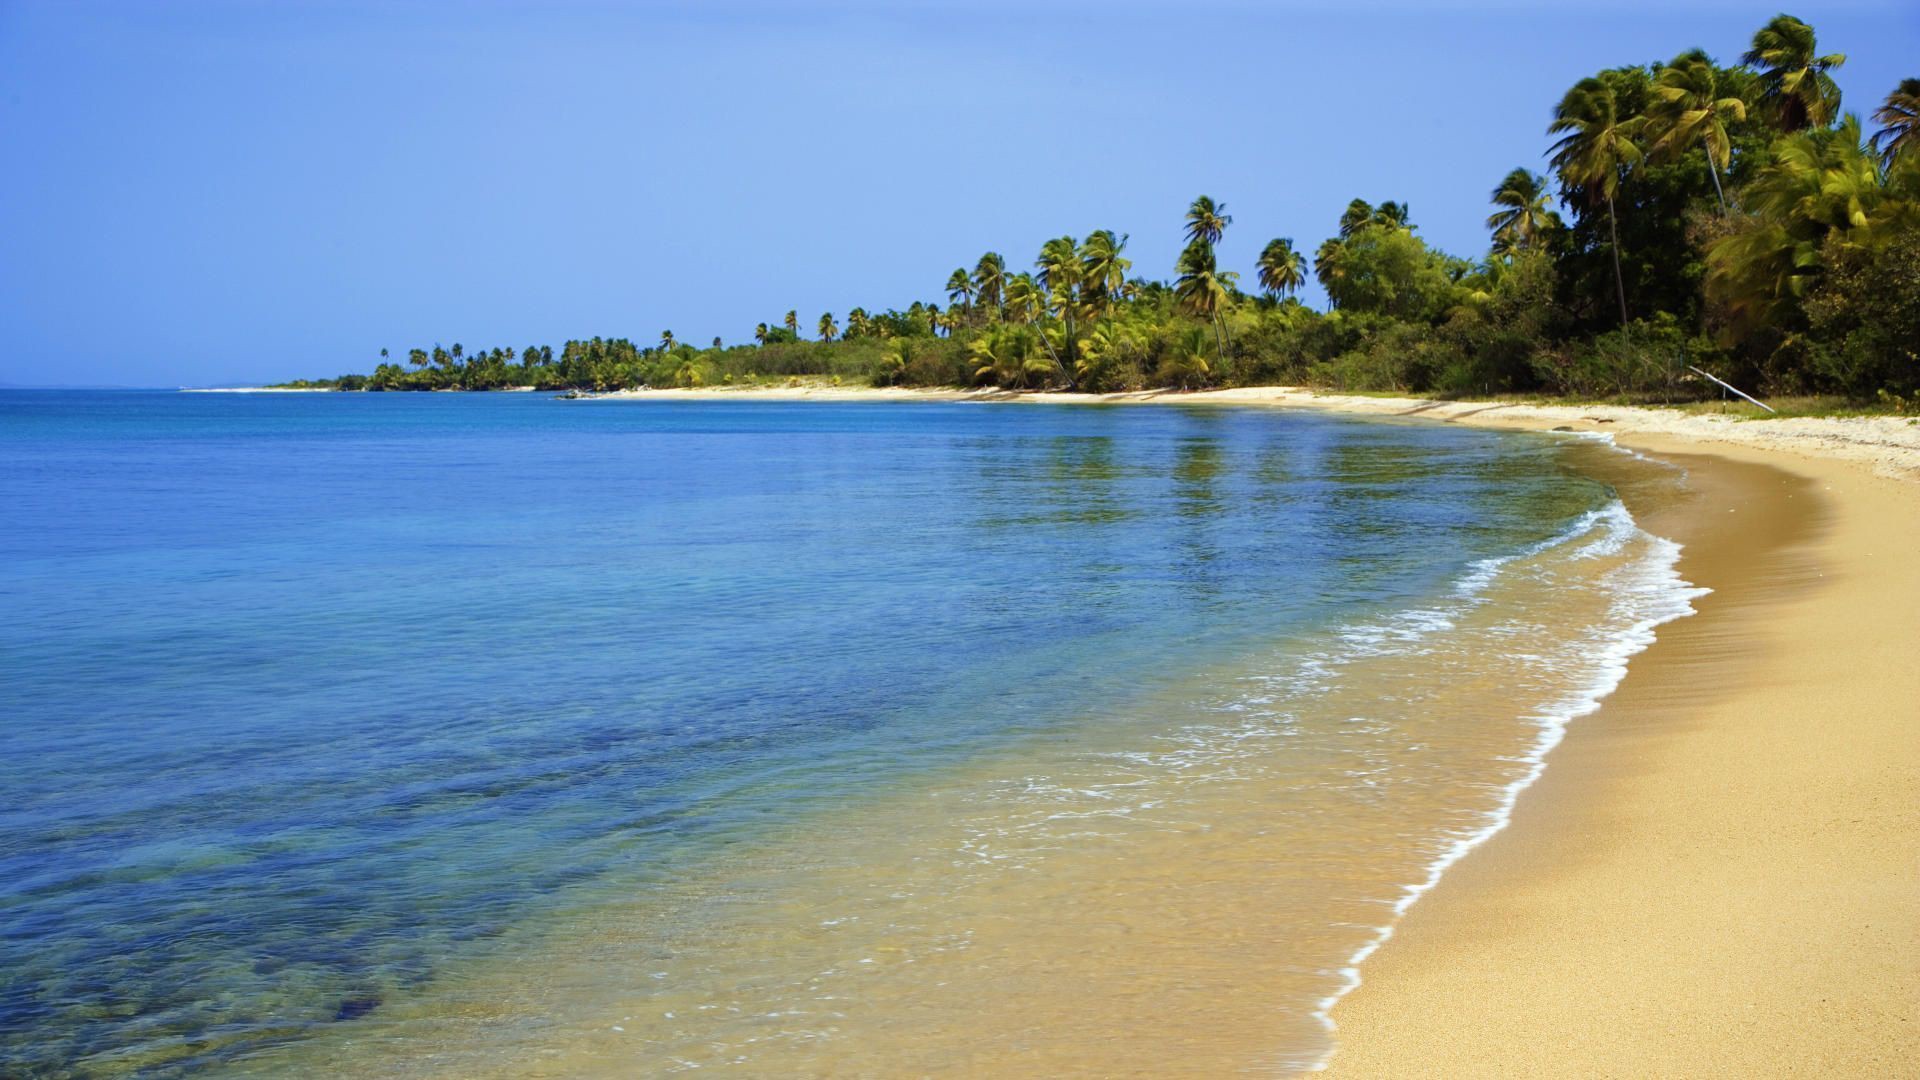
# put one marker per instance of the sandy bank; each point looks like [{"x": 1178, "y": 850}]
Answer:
[{"x": 1717, "y": 874}]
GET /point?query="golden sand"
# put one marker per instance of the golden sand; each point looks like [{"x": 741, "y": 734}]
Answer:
[{"x": 1717, "y": 874}]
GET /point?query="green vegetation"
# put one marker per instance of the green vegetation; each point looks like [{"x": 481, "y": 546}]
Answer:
[{"x": 1729, "y": 218}]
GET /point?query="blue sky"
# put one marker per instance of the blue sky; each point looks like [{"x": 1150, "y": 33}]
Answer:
[{"x": 206, "y": 193}]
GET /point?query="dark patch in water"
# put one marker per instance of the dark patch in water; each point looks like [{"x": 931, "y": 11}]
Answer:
[{"x": 354, "y": 1008}]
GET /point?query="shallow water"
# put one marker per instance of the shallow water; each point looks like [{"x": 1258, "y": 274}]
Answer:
[{"x": 471, "y": 734}]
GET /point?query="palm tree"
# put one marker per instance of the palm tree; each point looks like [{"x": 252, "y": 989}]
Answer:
[
  {"x": 1394, "y": 215},
  {"x": 1023, "y": 299},
  {"x": 1202, "y": 288},
  {"x": 1598, "y": 148},
  {"x": 1688, "y": 108},
  {"x": 1282, "y": 270},
  {"x": 1523, "y": 216},
  {"x": 792, "y": 322},
  {"x": 1822, "y": 186},
  {"x": 990, "y": 281},
  {"x": 1006, "y": 356},
  {"x": 1103, "y": 269},
  {"x": 1060, "y": 278},
  {"x": 666, "y": 341},
  {"x": 760, "y": 333},
  {"x": 828, "y": 331},
  {"x": 1330, "y": 267},
  {"x": 1357, "y": 215},
  {"x": 960, "y": 289},
  {"x": 858, "y": 324},
  {"x": 1899, "y": 121},
  {"x": 1207, "y": 220},
  {"x": 1795, "y": 84}
]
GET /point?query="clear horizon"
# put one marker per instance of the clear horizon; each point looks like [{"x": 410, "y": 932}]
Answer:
[{"x": 240, "y": 192}]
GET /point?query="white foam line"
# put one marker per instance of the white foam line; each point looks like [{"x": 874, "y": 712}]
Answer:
[{"x": 1672, "y": 599}]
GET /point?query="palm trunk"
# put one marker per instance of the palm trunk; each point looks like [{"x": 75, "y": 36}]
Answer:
[
  {"x": 1619, "y": 280},
  {"x": 1056, "y": 357},
  {"x": 1714, "y": 171}
]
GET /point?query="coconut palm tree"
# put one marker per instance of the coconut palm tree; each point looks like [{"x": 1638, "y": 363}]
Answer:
[
  {"x": 1103, "y": 269},
  {"x": 961, "y": 289},
  {"x": 1822, "y": 186},
  {"x": 1523, "y": 215},
  {"x": 1597, "y": 148},
  {"x": 792, "y": 323},
  {"x": 1207, "y": 220},
  {"x": 1202, "y": 287},
  {"x": 828, "y": 331},
  {"x": 1060, "y": 278},
  {"x": 1690, "y": 107},
  {"x": 666, "y": 341},
  {"x": 1795, "y": 84},
  {"x": 1899, "y": 120},
  {"x": 1007, "y": 356},
  {"x": 1330, "y": 266},
  {"x": 990, "y": 281},
  {"x": 1394, "y": 215},
  {"x": 760, "y": 334},
  {"x": 1024, "y": 299},
  {"x": 1357, "y": 215},
  {"x": 1282, "y": 270}
]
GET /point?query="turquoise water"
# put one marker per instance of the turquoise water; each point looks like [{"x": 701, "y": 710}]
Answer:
[{"x": 307, "y": 697}]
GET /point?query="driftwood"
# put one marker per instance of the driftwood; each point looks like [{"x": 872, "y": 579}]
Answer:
[{"x": 1731, "y": 387}]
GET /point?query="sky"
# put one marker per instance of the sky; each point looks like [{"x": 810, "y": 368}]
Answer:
[{"x": 225, "y": 193}]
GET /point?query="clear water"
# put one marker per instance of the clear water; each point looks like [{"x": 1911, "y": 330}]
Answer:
[{"x": 308, "y": 700}]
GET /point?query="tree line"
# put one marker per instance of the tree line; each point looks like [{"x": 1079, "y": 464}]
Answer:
[{"x": 1694, "y": 214}]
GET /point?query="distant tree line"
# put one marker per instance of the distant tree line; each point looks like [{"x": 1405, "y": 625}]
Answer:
[{"x": 1732, "y": 218}]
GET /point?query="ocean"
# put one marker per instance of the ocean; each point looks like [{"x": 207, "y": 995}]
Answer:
[{"x": 445, "y": 734}]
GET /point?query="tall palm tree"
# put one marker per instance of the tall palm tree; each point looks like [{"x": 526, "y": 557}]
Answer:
[
  {"x": 1358, "y": 214},
  {"x": 828, "y": 331},
  {"x": 990, "y": 281},
  {"x": 1396, "y": 215},
  {"x": 1822, "y": 186},
  {"x": 1207, "y": 220},
  {"x": 1103, "y": 269},
  {"x": 666, "y": 341},
  {"x": 1689, "y": 107},
  {"x": 1203, "y": 288},
  {"x": 1026, "y": 304},
  {"x": 960, "y": 289},
  {"x": 1795, "y": 83},
  {"x": 792, "y": 322},
  {"x": 1060, "y": 278},
  {"x": 1899, "y": 121},
  {"x": 1330, "y": 267},
  {"x": 1523, "y": 215},
  {"x": 1282, "y": 270},
  {"x": 1023, "y": 299},
  {"x": 760, "y": 333},
  {"x": 1597, "y": 149}
]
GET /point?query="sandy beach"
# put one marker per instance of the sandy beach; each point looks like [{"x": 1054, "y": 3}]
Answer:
[{"x": 1716, "y": 875}]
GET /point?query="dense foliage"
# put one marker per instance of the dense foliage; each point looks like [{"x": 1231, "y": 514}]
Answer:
[{"x": 1729, "y": 218}]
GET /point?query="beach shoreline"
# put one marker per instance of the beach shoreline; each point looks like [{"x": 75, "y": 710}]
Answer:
[
  {"x": 1715, "y": 873},
  {"x": 1714, "y": 876},
  {"x": 1886, "y": 445}
]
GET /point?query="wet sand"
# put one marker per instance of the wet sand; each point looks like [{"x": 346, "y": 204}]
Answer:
[{"x": 1717, "y": 874}]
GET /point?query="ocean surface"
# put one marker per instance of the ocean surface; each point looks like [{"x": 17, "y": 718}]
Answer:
[{"x": 493, "y": 734}]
